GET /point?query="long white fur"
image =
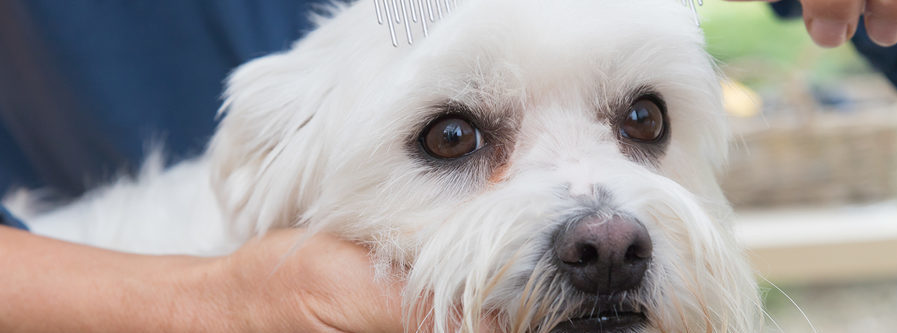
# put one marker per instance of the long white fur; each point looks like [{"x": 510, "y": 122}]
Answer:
[{"x": 317, "y": 136}]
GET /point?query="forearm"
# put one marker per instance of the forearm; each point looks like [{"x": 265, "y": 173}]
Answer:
[
  {"x": 326, "y": 285},
  {"x": 48, "y": 285}
]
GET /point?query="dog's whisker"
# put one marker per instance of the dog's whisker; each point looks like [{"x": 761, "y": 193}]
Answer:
[
  {"x": 767, "y": 315},
  {"x": 799, "y": 309},
  {"x": 421, "y": 318}
]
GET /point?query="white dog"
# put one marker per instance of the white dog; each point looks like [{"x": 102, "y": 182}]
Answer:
[{"x": 549, "y": 164}]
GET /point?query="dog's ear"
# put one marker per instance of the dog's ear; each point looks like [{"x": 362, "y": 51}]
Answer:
[{"x": 265, "y": 155}]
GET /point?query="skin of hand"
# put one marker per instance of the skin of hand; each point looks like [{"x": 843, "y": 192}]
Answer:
[
  {"x": 328, "y": 280},
  {"x": 327, "y": 285},
  {"x": 832, "y": 22}
]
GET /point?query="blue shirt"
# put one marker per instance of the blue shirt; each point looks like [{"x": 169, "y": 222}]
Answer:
[
  {"x": 7, "y": 219},
  {"x": 85, "y": 85}
]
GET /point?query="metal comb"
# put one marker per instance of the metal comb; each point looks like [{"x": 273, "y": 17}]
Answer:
[{"x": 395, "y": 13}]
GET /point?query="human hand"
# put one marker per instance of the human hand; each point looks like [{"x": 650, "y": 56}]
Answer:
[
  {"x": 326, "y": 285},
  {"x": 832, "y": 22}
]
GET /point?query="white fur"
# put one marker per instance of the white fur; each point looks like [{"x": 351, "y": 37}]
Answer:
[{"x": 318, "y": 136}]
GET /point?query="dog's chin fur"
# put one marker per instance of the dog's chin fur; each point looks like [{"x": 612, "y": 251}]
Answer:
[{"x": 324, "y": 136}]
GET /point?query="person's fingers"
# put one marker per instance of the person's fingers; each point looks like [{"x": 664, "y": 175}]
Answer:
[
  {"x": 831, "y": 22},
  {"x": 324, "y": 285},
  {"x": 881, "y": 21}
]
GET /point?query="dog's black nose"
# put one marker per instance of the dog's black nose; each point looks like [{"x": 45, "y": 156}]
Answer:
[{"x": 604, "y": 255}]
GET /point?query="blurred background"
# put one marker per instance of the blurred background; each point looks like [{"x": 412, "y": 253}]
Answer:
[{"x": 812, "y": 173}]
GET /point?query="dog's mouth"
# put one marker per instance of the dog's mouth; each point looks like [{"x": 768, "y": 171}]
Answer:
[
  {"x": 605, "y": 317},
  {"x": 603, "y": 322}
]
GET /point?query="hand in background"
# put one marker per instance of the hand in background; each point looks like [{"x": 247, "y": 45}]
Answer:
[{"x": 832, "y": 22}]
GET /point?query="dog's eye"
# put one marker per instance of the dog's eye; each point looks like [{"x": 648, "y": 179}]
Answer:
[
  {"x": 451, "y": 137},
  {"x": 644, "y": 122}
]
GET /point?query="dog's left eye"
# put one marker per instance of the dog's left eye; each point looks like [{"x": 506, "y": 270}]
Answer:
[
  {"x": 451, "y": 137},
  {"x": 644, "y": 121}
]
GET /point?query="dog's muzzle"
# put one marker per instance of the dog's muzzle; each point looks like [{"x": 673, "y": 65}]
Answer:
[{"x": 603, "y": 258}]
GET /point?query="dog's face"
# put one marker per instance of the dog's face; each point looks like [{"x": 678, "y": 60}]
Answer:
[{"x": 545, "y": 164}]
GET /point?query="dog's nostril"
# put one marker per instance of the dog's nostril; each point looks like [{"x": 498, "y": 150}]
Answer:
[
  {"x": 582, "y": 254},
  {"x": 636, "y": 253},
  {"x": 587, "y": 254}
]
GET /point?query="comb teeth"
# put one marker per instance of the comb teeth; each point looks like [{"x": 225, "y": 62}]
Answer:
[
  {"x": 409, "y": 13},
  {"x": 694, "y": 9}
]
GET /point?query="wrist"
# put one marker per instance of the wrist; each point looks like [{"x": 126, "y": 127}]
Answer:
[
  {"x": 250, "y": 298},
  {"x": 273, "y": 287},
  {"x": 204, "y": 297}
]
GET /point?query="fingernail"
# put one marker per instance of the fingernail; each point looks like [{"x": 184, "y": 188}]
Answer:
[
  {"x": 882, "y": 32},
  {"x": 828, "y": 33}
]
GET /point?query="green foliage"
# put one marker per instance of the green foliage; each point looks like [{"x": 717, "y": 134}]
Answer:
[{"x": 760, "y": 47}]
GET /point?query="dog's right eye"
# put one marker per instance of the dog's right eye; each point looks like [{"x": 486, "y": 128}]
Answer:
[
  {"x": 451, "y": 137},
  {"x": 645, "y": 121}
]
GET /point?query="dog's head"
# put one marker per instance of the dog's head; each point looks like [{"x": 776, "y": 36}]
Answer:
[{"x": 546, "y": 164}]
